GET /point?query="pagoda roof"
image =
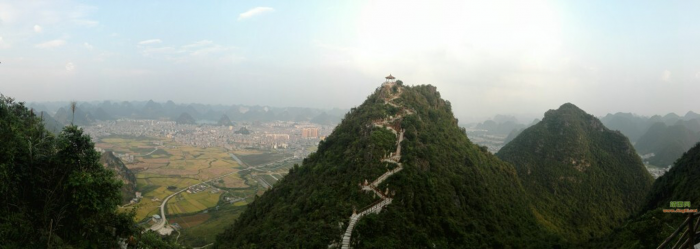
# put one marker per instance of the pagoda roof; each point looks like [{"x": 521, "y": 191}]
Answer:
[{"x": 390, "y": 77}]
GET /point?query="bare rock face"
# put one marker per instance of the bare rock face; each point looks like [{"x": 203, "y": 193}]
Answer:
[{"x": 121, "y": 172}]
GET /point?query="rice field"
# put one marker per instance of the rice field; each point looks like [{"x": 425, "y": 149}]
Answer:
[
  {"x": 160, "y": 163},
  {"x": 189, "y": 221},
  {"x": 190, "y": 203}
]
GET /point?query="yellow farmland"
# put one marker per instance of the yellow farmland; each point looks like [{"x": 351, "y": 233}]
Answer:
[
  {"x": 189, "y": 203},
  {"x": 160, "y": 163}
]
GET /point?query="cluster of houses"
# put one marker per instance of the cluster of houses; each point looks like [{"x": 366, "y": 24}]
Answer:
[
  {"x": 137, "y": 198},
  {"x": 197, "y": 188},
  {"x": 232, "y": 199}
]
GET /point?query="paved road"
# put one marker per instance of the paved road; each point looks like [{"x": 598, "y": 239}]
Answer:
[
  {"x": 163, "y": 221},
  {"x": 162, "y": 224}
]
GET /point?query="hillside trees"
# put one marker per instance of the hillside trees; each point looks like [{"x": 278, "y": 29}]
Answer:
[{"x": 54, "y": 191}]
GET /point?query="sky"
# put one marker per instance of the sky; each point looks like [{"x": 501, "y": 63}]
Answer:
[{"x": 486, "y": 57}]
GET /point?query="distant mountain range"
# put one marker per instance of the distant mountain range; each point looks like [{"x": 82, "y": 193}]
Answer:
[
  {"x": 635, "y": 126},
  {"x": 88, "y": 112},
  {"x": 668, "y": 142},
  {"x": 663, "y": 138}
]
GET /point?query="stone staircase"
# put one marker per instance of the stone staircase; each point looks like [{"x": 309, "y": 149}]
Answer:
[{"x": 395, "y": 158}]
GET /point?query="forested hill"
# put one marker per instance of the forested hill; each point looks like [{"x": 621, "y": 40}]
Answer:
[
  {"x": 443, "y": 190},
  {"x": 582, "y": 178},
  {"x": 652, "y": 226},
  {"x": 668, "y": 143}
]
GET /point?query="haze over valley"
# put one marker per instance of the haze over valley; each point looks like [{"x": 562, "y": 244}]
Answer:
[{"x": 349, "y": 124}]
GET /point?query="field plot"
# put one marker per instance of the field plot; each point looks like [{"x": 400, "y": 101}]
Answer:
[
  {"x": 190, "y": 220},
  {"x": 205, "y": 233},
  {"x": 160, "y": 163},
  {"x": 146, "y": 208},
  {"x": 190, "y": 203},
  {"x": 232, "y": 181},
  {"x": 262, "y": 158}
]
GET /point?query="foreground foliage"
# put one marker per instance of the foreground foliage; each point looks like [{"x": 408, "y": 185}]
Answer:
[{"x": 54, "y": 191}]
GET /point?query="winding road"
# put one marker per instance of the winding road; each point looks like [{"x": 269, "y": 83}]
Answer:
[{"x": 161, "y": 227}]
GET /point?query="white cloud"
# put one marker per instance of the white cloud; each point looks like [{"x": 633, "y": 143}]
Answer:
[
  {"x": 70, "y": 66},
  {"x": 3, "y": 44},
  {"x": 666, "y": 76},
  {"x": 151, "y": 41},
  {"x": 8, "y": 14},
  {"x": 86, "y": 23},
  {"x": 38, "y": 29},
  {"x": 201, "y": 43},
  {"x": 254, "y": 11},
  {"x": 88, "y": 46},
  {"x": 200, "y": 51},
  {"x": 51, "y": 44}
]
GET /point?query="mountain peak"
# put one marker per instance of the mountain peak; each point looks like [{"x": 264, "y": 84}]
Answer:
[
  {"x": 440, "y": 198},
  {"x": 570, "y": 118},
  {"x": 561, "y": 157}
]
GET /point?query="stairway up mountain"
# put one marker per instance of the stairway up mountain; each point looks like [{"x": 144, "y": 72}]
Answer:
[
  {"x": 582, "y": 178},
  {"x": 446, "y": 192}
]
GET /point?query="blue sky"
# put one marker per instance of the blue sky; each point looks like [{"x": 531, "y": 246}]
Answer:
[{"x": 486, "y": 57}]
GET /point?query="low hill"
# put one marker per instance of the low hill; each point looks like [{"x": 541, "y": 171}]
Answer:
[
  {"x": 122, "y": 173},
  {"x": 582, "y": 178},
  {"x": 224, "y": 121},
  {"x": 325, "y": 119},
  {"x": 631, "y": 125},
  {"x": 243, "y": 131},
  {"x": 667, "y": 143},
  {"x": 504, "y": 127},
  {"x": 185, "y": 118},
  {"x": 66, "y": 117},
  {"x": 411, "y": 174}
]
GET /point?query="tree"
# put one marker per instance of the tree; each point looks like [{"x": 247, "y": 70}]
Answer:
[{"x": 54, "y": 191}]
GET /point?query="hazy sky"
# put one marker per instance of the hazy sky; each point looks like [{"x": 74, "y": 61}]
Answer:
[{"x": 486, "y": 57}]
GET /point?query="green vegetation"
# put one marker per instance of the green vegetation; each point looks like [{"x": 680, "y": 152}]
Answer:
[
  {"x": 205, "y": 233},
  {"x": 651, "y": 226},
  {"x": 451, "y": 194},
  {"x": 55, "y": 192},
  {"x": 582, "y": 179}
]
